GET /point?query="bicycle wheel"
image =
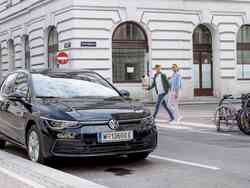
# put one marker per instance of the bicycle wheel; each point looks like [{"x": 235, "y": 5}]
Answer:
[
  {"x": 221, "y": 115},
  {"x": 244, "y": 124}
]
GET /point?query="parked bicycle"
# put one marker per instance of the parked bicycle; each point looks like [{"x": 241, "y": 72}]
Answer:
[
  {"x": 226, "y": 113},
  {"x": 229, "y": 115},
  {"x": 244, "y": 118}
]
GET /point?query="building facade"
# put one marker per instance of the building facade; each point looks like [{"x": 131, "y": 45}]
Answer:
[{"x": 123, "y": 39}]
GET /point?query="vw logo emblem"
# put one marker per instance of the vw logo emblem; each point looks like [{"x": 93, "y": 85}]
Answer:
[{"x": 113, "y": 124}]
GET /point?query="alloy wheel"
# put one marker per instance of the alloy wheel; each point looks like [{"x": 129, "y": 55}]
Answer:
[{"x": 33, "y": 146}]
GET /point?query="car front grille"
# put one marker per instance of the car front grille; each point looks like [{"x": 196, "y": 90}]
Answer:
[{"x": 129, "y": 124}]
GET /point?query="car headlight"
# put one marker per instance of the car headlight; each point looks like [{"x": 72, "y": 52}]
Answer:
[{"x": 60, "y": 124}]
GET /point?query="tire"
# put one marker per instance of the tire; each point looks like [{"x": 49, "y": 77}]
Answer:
[
  {"x": 33, "y": 141},
  {"x": 138, "y": 156},
  {"x": 244, "y": 124},
  {"x": 217, "y": 119},
  {"x": 2, "y": 144},
  {"x": 222, "y": 113}
]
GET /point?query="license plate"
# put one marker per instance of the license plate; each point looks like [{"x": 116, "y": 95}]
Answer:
[{"x": 115, "y": 136}]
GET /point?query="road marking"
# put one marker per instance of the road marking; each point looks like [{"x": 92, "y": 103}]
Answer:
[
  {"x": 189, "y": 129},
  {"x": 191, "y": 124},
  {"x": 26, "y": 181},
  {"x": 197, "y": 124},
  {"x": 174, "y": 127},
  {"x": 185, "y": 162},
  {"x": 212, "y": 133}
]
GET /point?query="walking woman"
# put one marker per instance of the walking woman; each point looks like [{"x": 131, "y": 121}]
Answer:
[
  {"x": 174, "y": 94},
  {"x": 162, "y": 86}
]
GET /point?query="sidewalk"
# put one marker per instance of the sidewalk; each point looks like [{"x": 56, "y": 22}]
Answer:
[
  {"x": 194, "y": 101},
  {"x": 16, "y": 172},
  {"x": 200, "y": 115}
]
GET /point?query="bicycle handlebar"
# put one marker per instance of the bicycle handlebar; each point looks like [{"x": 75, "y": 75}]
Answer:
[{"x": 245, "y": 97}]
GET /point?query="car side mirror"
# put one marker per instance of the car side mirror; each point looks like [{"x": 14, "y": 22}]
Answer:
[
  {"x": 124, "y": 93},
  {"x": 15, "y": 97}
]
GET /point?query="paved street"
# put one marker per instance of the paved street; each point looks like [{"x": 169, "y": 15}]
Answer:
[{"x": 188, "y": 156}]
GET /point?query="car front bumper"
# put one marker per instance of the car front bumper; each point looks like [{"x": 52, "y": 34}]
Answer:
[{"x": 86, "y": 144}]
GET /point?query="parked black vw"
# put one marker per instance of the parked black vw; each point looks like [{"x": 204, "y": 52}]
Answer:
[{"x": 72, "y": 114}]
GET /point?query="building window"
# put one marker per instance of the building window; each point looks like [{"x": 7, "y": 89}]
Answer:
[
  {"x": 129, "y": 52},
  {"x": 52, "y": 48},
  {"x": 202, "y": 61},
  {"x": 26, "y": 52},
  {"x": 243, "y": 52},
  {"x": 1, "y": 67},
  {"x": 11, "y": 50}
]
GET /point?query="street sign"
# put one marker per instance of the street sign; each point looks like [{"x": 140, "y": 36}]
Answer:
[
  {"x": 62, "y": 58},
  {"x": 88, "y": 44}
]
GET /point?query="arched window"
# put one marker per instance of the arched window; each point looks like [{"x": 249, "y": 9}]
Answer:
[
  {"x": 26, "y": 52},
  {"x": 11, "y": 50},
  {"x": 52, "y": 47},
  {"x": 129, "y": 49},
  {"x": 203, "y": 61},
  {"x": 243, "y": 52},
  {"x": 1, "y": 67}
]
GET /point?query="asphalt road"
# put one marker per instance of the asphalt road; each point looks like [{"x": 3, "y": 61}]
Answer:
[{"x": 187, "y": 157}]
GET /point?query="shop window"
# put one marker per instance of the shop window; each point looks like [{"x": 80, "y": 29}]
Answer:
[
  {"x": 52, "y": 47},
  {"x": 26, "y": 52},
  {"x": 243, "y": 52},
  {"x": 129, "y": 52},
  {"x": 11, "y": 50}
]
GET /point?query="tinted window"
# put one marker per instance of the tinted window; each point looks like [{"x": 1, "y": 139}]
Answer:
[
  {"x": 8, "y": 85},
  {"x": 21, "y": 84}
]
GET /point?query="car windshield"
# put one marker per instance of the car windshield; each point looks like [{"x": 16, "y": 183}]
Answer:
[{"x": 68, "y": 86}]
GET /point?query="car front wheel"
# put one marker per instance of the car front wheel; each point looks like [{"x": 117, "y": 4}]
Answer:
[{"x": 34, "y": 145}]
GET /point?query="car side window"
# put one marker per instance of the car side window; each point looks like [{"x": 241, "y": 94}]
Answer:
[
  {"x": 8, "y": 85},
  {"x": 21, "y": 85}
]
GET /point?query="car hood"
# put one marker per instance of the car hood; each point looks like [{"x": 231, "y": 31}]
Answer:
[{"x": 95, "y": 109}]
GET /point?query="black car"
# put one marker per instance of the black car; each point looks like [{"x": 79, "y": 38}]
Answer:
[{"x": 72, "y": 114}]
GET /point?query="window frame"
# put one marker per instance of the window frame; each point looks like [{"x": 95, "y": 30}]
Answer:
[
  {"x": 127, "y": 43},
  {"x": 11, "y": 55},
  {"x": 241, "y": 47},
  {"x": 52, "y": 31},
  {"x": 27, "y": 57}
]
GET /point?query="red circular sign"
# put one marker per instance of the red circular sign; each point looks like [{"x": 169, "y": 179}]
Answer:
[{"x": 62, "y": 58}]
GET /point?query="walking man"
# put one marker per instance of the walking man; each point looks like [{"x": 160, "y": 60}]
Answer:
[
  {"x": 175, "y": 92},
  {"x": 162, "y": 86}
]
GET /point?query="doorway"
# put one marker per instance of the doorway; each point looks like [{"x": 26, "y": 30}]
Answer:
[{"x": 203, "y": 61}]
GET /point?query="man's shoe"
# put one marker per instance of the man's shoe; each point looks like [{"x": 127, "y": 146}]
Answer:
[{"x": 172, "y": 122}]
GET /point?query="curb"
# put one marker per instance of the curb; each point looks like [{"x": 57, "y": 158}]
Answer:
[
  {"x": 18, "y": 172},
  {"x": 187, "y": 124},
  {"x": 187, "y": 103}
]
